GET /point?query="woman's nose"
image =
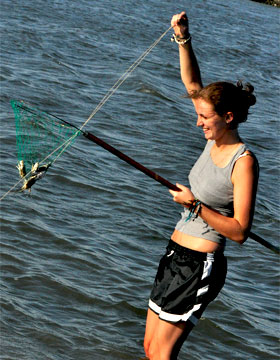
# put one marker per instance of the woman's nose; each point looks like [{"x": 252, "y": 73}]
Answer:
[{"x": 199, "y": 121}]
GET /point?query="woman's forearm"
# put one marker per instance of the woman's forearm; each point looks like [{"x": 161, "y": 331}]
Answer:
[
  {"x": 190, "y": 72},
  {"x": 226, "y": 226}
]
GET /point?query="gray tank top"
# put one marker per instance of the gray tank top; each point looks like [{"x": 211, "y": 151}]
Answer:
[{"x": 212, "y": 186}]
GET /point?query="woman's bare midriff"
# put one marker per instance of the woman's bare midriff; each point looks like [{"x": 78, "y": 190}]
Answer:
[{"x": 195, "y": 243}]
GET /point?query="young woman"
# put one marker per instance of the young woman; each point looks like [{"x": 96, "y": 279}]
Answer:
[{"x": 219, "y": 205}]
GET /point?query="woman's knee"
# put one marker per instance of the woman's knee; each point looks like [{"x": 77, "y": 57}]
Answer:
[
  {"x": 146, "y": 346},
  {"x": 154, "y": 352},
  {"x": 151, "y": 328}
]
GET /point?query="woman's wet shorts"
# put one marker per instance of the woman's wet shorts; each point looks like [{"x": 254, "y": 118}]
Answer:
[{"x": 186, "y": 282}]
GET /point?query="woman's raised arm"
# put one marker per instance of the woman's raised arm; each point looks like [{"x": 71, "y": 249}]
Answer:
[{"x": 190, "y": 72}]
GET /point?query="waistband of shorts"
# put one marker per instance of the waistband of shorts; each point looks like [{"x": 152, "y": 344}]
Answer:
[{"x": 181, "y": 250}]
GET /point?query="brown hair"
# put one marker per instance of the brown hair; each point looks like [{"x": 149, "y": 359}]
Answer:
[{"x": 227, "y": 97}]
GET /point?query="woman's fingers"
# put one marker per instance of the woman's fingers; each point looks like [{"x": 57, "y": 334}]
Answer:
[
  {"x": 183, "y": 196},
  {"x": 179, "y": 22}
]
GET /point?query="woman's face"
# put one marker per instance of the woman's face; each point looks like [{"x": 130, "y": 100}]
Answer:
[{"x": 213, "y": 125}]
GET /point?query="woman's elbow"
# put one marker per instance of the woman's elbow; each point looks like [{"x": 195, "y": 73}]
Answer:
[
  {"x": 241, "y": 237},
  {"x": 192, "y": 85},
  {"x": 242, "y": 240}
]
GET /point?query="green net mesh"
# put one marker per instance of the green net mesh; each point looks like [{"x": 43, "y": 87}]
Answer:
[{"x": 40, "y": 136}]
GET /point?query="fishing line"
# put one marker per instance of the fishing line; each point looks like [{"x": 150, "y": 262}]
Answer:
[
  {"x": 112, "y": 90},
  {"x": 122, "y": 79}
]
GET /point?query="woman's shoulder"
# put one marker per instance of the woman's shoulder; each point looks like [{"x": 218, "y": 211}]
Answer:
[
  {"x": 246, "y": 162},
  {"x": 247, "y": 156}
]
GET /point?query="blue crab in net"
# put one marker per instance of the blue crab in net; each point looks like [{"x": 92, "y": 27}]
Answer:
[{"x": 36, "y": 173}]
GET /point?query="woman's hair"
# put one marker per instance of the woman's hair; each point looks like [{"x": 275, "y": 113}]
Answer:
[{"x": 227, "y": 97}]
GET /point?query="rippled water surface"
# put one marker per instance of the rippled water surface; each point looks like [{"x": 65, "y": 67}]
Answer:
[{"x": 79, "y": 255}]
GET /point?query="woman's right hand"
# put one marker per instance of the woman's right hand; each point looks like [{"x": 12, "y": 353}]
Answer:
[{"x": 180, "y": 24}]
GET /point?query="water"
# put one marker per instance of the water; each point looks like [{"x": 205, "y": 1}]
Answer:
[{"x": 79, "y": 255}]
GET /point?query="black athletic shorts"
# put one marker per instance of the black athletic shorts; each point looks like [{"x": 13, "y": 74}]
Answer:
[{"x": 186, "y": 282}]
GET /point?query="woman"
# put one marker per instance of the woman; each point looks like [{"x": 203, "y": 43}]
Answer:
[{"x": 219, "y": 205}]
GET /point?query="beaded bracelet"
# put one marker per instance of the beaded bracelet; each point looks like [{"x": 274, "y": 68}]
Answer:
[
  {"x": 179, "y": 40},
  {"x": 194, "y": 208}
]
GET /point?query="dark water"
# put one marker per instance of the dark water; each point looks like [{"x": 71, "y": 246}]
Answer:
[{"x": 79, "y": 255}]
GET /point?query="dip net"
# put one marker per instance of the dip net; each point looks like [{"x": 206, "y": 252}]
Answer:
[{"x": 40, "y": 137}]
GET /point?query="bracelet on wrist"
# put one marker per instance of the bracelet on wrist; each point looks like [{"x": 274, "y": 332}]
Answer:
[
  {"x": 190, "y": 203},
  {"x": 179, "y": 40},
  {"x": 194, "y": 209}
]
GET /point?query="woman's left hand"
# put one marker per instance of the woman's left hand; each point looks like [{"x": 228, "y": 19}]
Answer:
[
  {"x": 180, "y": 24},
  {"x": 183, "y": 197}
]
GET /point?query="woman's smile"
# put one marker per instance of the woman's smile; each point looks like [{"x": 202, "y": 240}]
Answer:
[{"x": 212, "y": 124}]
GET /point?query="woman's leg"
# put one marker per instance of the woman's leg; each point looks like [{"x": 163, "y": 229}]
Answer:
[
  {"x": 163, "y": 340},
  {"x": 151, "y": 326}
]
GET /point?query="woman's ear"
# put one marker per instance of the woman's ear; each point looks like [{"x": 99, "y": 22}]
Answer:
[{"x": 229, "y": 117}]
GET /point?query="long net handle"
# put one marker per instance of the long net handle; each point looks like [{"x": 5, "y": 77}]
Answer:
[
  {"x": 130, "y": 161},
  {"x": 265, "y": 243}
]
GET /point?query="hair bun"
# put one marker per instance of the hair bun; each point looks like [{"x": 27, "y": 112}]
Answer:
[
  {"x": 247, "y": 92},
  {"x": 249, "y": 88}
]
